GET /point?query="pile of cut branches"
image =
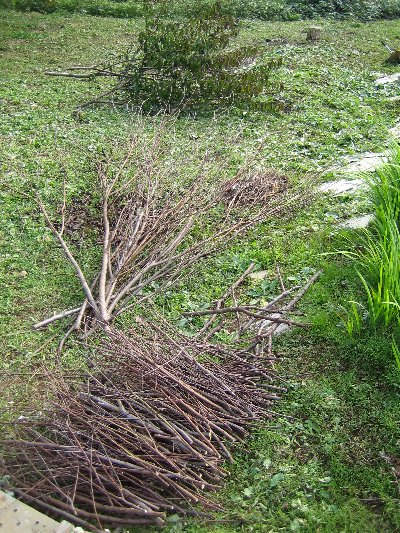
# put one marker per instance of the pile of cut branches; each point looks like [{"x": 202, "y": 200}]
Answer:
[
  {"x": 147, "y": 432},
  {"x": 156, "y": 225}
]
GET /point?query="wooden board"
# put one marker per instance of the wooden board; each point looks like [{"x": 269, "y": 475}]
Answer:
[{"x": 17, "y": 517}]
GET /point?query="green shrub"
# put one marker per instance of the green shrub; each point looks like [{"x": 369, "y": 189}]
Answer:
[
  {"x": 186, "y": 63},
  {"x": 252, "y": 9},
  {"x": 362, "y": 9},
  {"x": 42, "y": 6},
  {"x": 103, "y": 8},
  {"x": 390, "y": 9},
  {"x": 273, "y": 10},
  {"x": 255, "y": 9}
]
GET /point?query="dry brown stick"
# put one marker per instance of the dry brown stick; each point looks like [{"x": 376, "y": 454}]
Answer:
[
  {"x": 106, "y": 247},
  {"x": 289, "y": 307},
  {"x": 70, "y": 516},
  {"x": 223, "y": 298},
  {"x": 271, "y": 304},
  {"x": 70, "y": 75},
  {"x": 214, "y": 330},
  {"x": 235, "y": 304},
  {"x": 245, "y": 311},
  {"x": 63, "y": 341},
  {"x": 54, "y": 318},
  {"x": 281, "y": 283},
  {"x": 63, "y": 207}
]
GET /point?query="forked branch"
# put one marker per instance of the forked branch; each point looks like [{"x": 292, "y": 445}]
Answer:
[{"x": 151, "y": 219}]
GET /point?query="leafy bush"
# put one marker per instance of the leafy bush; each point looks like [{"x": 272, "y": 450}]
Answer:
[
  {"x": 187, "y": 62},
  {"x": 378, "y": 257},
  {"x": 255, "y": 9},
  {"x": 104, "y": 8},
  {"x": 363, "y": 9},
  {"x": 42, "y": 6}
]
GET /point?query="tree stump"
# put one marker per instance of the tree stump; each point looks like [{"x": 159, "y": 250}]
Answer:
[
  {"x": 314, "y": 33},
  {"x": 394, "y": 57}
]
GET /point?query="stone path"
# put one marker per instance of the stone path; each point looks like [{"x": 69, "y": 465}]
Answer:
[
  {"x": 343, "y": 187},
  {"x": 391, "y": 78},
  {"x": 360, "y": 222}
]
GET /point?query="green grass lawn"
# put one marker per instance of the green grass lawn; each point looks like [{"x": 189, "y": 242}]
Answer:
[{"x": 329, "y": 468}]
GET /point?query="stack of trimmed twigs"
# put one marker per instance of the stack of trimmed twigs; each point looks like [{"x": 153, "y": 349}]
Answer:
[
  {"x": 145, "y": 435},
  {"x": 264, "y": 319}
]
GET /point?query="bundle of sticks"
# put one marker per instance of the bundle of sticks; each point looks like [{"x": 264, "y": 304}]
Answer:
[{"x": 145, "y": 434}]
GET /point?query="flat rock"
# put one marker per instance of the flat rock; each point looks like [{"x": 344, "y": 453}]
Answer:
[
  {"x": 391, "y": 78},
  {"x": 395, "y": 131},
  {"x": 18, "y": 517},
  {"x": 357, "y": 222},
  {"x": 342, "y": 187},
  {"x": 262, "y": 274},
  {"x": 367, "y": 162},
  {"x": 282, "y": 328}
]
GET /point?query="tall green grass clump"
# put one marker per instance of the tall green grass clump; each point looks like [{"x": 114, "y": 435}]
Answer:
[{"x": 377, "y": 257}]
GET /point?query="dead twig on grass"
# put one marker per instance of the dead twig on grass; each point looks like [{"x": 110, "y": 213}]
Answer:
[{"x": 268, "y": 316}]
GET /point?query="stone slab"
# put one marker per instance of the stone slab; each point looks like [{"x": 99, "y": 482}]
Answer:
[
  {"x": 395, "y": 131},
  {"x": 343, "y": 187},
  {"x": 360, "y": 222},
  {"x": 391, "y": 78},
  {"x": 366, "y": 162}
]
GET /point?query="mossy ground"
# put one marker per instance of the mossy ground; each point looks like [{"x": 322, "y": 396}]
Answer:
[{"x": 326, "y": 468}]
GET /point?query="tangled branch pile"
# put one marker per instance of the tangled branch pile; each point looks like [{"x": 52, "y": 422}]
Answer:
[
  {"x": 155, "y": 227},
  {"x": 182, "y": 63},
  {"x": 257, "y": 188},
  {"x": 145, "y": 435}
]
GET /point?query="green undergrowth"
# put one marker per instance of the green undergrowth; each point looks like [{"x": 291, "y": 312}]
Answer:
[
  {"x": 285, "y": 10},
  {"x": 325, "y": 468},
  {"x": 376, "y": 255},
  {"x": 328, "y": 467}
]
